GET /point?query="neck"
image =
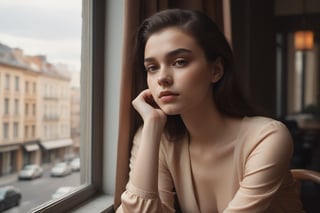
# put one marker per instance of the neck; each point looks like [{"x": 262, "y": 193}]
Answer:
[{"x": 205, "y": 125}]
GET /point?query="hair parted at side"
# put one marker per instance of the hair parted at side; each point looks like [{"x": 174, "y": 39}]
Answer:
[{"x": 226, "y": 92}]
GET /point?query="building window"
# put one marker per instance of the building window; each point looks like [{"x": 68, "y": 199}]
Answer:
[
  {"x": 5, "y": 130},
  {"x": 6, "y": 106},
  {"x": 15, "y": 130},
  {"x": 33, "y": 131},
  {"x": 45, "y": 132},
  {"x": 7, "y": 82},
  {"x": 16, "y": 106},
  {"x": 17, "y": 83},
  {"x": 26, "y": 109},
  {"x": 26, "y": 131},
  {"x": 34, "y": 88},
  {"x": 27, "y": 87},
  {"x": 34, "y": 109}
]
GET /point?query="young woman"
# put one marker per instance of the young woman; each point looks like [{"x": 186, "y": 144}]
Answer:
[{"x": 199, "y": 149}]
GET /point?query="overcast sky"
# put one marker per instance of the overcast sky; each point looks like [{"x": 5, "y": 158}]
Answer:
[{"x": 43, "y": 27}]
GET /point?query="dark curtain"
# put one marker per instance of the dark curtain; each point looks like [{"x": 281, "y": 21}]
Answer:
[{"x": 135, "y": 12}]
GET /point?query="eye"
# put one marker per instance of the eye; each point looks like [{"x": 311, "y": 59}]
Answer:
[
  {"x": 151, "y": 68},
  {"x": 180, "y": 62}
]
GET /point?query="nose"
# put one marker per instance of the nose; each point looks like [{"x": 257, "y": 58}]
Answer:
[{"x": 165, "y": 78}]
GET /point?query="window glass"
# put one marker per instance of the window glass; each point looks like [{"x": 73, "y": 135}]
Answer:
[
  {"x": 5, "y": 130},
  {"x": 7, "y": 81},
  {"x": 17, "y": 82},
  {"x": 15, "y": 129},
  {"x": 40, "y": 49},
  {"x": 16, "y": 106},
  {"x": 6, "y": 106}
]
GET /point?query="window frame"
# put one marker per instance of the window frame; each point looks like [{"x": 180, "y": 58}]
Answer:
[{"x": 92, "y": 110}]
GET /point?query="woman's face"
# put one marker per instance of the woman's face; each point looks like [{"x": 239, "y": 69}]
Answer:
[{"x": 178, "y": 74}]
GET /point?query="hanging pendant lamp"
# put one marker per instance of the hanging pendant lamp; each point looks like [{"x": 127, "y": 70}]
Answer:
[{"x": 303, "y": 38}]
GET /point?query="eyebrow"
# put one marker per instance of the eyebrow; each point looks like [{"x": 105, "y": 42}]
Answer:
[{"x": 171, "y": 54}]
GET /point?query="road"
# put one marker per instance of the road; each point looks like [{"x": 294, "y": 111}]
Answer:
[{"x": 38, "y": 191}]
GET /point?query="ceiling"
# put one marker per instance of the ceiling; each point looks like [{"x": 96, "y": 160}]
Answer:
[{"x": 295, "y": 7}]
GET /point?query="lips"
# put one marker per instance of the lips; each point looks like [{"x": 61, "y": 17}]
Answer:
[{"x": 167, "y": 93}]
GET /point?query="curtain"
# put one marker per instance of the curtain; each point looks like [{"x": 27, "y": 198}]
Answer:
[{"x": 135, "y": 12}]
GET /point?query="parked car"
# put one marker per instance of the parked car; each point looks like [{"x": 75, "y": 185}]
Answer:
[
  {"x": 30, "y": 171},
  {"x": 61, "y": 169},
  {"x": 9, "y": 197},
  {"x": 62, "y": 191},
  {"x": 75, "y": 164}
]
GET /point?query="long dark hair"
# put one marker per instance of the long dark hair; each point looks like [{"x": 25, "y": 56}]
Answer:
[{"x": 227, "y": 94}]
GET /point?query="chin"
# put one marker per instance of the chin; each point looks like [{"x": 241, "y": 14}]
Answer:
[
  {"x": 170, "y": 110},
  {"x": 172, "y": 113}
]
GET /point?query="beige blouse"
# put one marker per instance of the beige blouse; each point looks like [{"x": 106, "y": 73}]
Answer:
[{"x": 251, "y": 175}]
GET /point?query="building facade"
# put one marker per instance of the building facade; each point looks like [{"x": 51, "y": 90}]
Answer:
[{"x": 35, "y": 111}]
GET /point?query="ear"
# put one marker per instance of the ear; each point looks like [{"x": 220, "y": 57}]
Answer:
[{"x": 217, "y": 70}]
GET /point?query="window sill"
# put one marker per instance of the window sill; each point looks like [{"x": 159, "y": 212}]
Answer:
[{"x": 102, "y": 203}]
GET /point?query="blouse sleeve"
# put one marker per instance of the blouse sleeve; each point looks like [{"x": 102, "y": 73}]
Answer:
[
  {"x": 134, "y": 199},
  {"x": 265, "y": 168}
]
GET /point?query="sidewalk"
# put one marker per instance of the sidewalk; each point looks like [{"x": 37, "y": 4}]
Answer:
[{"x": 7, "y": 179}]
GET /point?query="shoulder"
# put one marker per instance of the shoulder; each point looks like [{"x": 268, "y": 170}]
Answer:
[
  {"x": 257, "y": 130},
  {"x": 259, "y": 120},
  {"x": 262, "y": 125}
]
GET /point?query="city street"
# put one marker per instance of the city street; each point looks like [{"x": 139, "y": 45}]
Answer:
[{"x": 38, "y": 191}]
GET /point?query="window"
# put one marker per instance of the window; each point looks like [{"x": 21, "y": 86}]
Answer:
[
  {"x": 34, "y": 88},
  {"x": 26, "y": 109},
  {"x": 17, "y": 83},
  {"x": 16, "y": 106},
  {"x": 26, "y": 131},
  {"x": 98, "y": 177},
  {"x": 7, "y": 82},
  {"x": 5, "y": 130},
  {"x": 34, "y": 58},
  {"x": 15, "y": 129},
  {"x": 45, "y": 108},
  {"x": 33, "y": 131},
  {"x": 6, "y": 106},
  {"x": 34, "y": 109},
  {"x": 27, "y": 87},
  {"x": 98, "y": 171},
  {"x": 45, "y": 132}
]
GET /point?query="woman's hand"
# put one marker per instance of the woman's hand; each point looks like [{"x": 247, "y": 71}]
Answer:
[{"x": 147, "y": 108}]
